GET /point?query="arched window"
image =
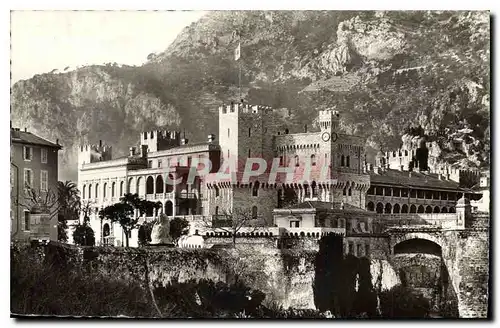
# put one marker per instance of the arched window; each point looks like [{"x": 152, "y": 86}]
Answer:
[
  {"x": 436, "y": 209},
  {"x": 83, "y": 191},
  {"x": 113, "y": 186},
  {"x": 90, "y": 191},
  {"x": 159, "y": 184},
  {"x": 342, "y": 160},
  {"x": 149, "y": 185},
  {"x": 169, "y": 208},
  {"x": 348, "y": 161},
  {"x": 255, "y": 189},
  {"x": 444, "y": 210},
  {"x": 314, "y": 189},
  {"x": 396, "y": 209},
  {"x": 404, "y": 208},
  {"x": 344, "y": 191},
  {"x": 452, "y": 210},
  {"x": 413, "y": 209},
  {"x": 380, "y": 208},
  {"x": 349, "y": 193},
  {"x": 421, "y": 209},
  {"x": 254, "y": 212},
  {"x": 313, "y": 160},
  {"x": 129, "y": 187},
  {"x": 370, "y": 206},
  {"x": 216, "y": 191},
  {"x": 297, "y": 160},
  {"x": 170, "y": 183},
  {"x": 216, "y": 212},
  {"x": 121, "y": 188},
  {"x": 97, "y": 191},
  {"x": 104, "y": 193},
  {"x": 428, "y": 209},
  {"x": 388, "y": 208}
]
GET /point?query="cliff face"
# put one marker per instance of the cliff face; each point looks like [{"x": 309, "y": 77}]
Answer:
[{"x": 387, "y": 72}]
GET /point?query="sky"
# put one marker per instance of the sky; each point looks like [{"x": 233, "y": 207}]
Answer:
[{"x": 45, "y": 40}]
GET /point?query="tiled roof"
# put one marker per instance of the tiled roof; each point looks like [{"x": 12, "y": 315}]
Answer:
[
  {"x": 30, "y": 138},
  {"x": 416, "y": 179}
]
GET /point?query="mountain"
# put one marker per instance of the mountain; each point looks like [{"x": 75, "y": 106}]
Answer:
[{"x": 391, "y": 74}]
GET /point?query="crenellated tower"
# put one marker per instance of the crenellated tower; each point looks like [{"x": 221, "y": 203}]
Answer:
[
  {"x": 246, "y": 131},
  {"x": 160, "y": 140},
  {"x": 94, "y": 153}
]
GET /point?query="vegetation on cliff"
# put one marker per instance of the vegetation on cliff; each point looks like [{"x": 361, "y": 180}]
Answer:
[{"x": 387, "y": 72}]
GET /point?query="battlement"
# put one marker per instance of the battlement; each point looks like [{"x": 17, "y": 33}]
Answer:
[
  {"x": 91, "y": 153},
  {"x": 244, "y": 108},
  {"x": 160, "y": 139},
  {"x": 161, "y": 135},
  {"x": 328, "y": 118}
]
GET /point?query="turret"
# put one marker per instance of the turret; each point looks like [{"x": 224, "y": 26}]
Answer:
[
  {"x": 160, "y": 139},
  {"x": 94, "y": 153}
]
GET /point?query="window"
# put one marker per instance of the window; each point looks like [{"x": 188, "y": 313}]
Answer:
[
  {"x": 216, "y": 191},
  {"x": 150, "y": 164},
  {"x": 145, "y": 135},
  {"x": 342, "y": 160},
  {"x": 349, "y": 193},
  {"x": 254, "y": 212},
  {"x": 344, "y": 192},
  {"x": 348, "y": 162},
  {"x": 255, "y": 189},
  {"x": 159, "y": 163},
  {"x": 249, "y": 152},
  {"x": 249, "y": 132},
  {"x": 27, "y": 220},
  {"x": 28, "y": 179},
  {"x": 313, "y": 160},
  {"x": 228, "y": 133},
  {"x": 228, "y": 153},
  {"x": 296, "y": 160},
  {"x": 44, "y": 178},
  {"x": 27, "y": 153},
  {"x": 189, "y": 161},
  {"x": 44, "y": 155},
  {"x": 294, "y": 224},
  {"x": 281, "y": 160}
]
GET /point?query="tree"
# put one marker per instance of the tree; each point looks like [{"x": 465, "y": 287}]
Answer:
[
  {"x": 233, "y": 221},
  {"x": 69, "y": 206},
  {"x": 178, "y": 227},
  {"x": 123, "y": 212},
  {"x": 83, "y": 234}
]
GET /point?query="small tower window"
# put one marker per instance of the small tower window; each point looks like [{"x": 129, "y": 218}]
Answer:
[
  {"x": 342, "y": 161},
  {"x": 348, "y": 162},
  {"x": 216, "y": 191},
  {"x": 349, "y": 193},
  {"x": 344, "y": 191},
  {"x": 249, "y": 132},
  {"x": 281, "y": 160},
  {"x": 255, "y": 189},
  {"x": 297, "y": 160},
  {"x": 145, "y": 135},
  {"x": 249, "y": 152},
  {"x": 228, "y": 133},
  {"x": 313, "y": 160},
  {"x": 286, "y": 131},
  {"x": 151, "y": 135}
]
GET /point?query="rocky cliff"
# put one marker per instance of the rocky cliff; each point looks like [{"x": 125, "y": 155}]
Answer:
[{"x": 389, "y": 73}]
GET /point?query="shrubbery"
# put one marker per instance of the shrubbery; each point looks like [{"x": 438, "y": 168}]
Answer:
[{"x": 401, "y": 302}]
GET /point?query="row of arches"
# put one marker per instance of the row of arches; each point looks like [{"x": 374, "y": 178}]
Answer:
[
  {"x": 405, "y": 208},
  {"x": 294, "y": 146},
  {"x": 148, "y": 185}
]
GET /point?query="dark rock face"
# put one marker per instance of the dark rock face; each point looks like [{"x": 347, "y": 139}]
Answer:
[{"x": 387, "y": 72}]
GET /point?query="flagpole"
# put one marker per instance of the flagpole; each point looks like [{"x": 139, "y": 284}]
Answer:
[
  {"x": 239, "y": 79},
  {"x": 239, "y": 60}
]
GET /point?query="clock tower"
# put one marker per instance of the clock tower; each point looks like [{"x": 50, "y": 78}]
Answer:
[{"x": 329, "y": 126}]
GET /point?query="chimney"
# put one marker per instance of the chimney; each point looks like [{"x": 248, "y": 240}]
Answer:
[
  {"x": 57, "y": 141},
  {"x": 184, "y": 141},
  {"x": 100, "y": 143},
  {"x": 132, "y": 151},
  {"x": 211, "y": 138},
  {"x": 25, "y": 129}
]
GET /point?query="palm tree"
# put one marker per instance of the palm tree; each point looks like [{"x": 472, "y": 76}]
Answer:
[{"x": 69, "y": 206}]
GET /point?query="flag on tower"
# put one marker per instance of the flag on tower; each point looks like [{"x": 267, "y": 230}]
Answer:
[{"x": 237, "y": 52}]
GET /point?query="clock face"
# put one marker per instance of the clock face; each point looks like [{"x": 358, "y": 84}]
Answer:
[{"x": 325, "y": 136}]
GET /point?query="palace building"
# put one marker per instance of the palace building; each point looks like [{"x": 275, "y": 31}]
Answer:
[{"x": 324, "y": 167}]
